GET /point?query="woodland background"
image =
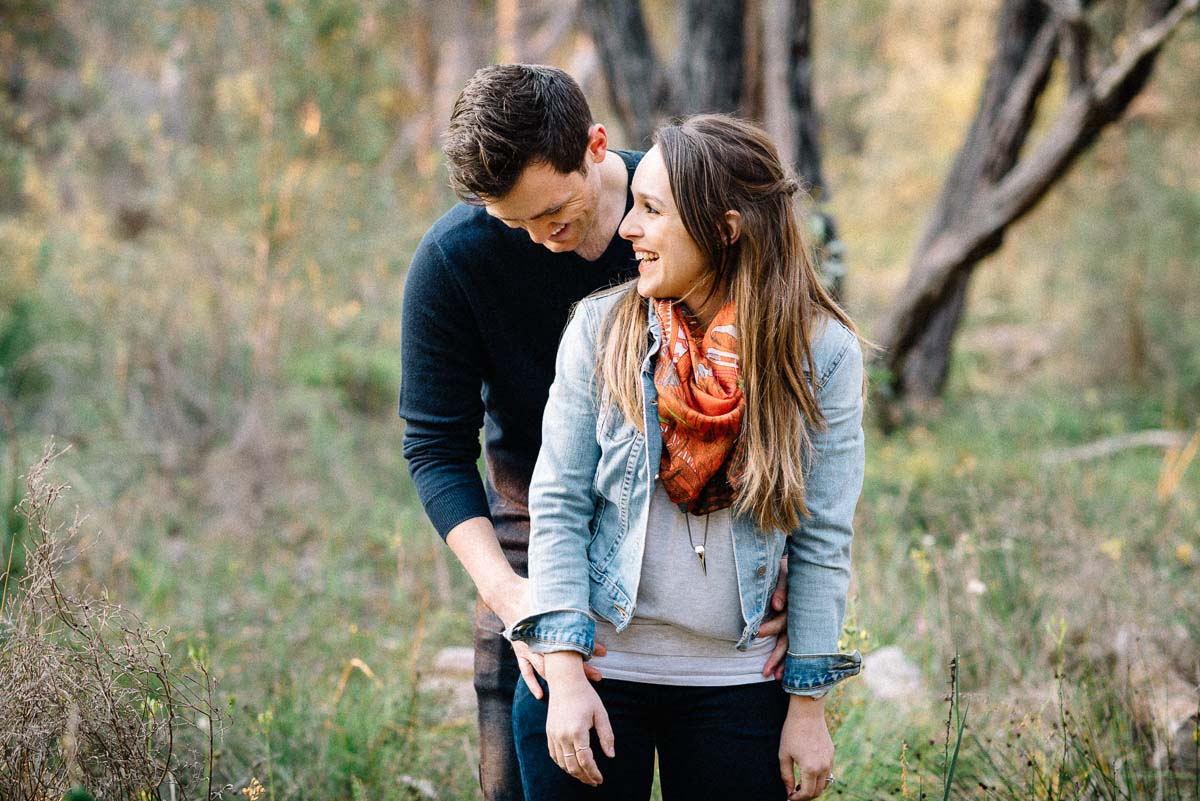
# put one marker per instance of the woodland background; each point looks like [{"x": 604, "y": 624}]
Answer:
[{"x": 206, "y": 214}]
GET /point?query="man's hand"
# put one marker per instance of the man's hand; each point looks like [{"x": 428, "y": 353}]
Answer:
[
  {"x": 514, "y": 601},
  {"x": 805, "y": 748},
  {"x": 531, "y": 663},
  {"x": 775, "y": 624}
]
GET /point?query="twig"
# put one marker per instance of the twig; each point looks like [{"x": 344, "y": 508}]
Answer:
[{"x": 1152, "y": 438}]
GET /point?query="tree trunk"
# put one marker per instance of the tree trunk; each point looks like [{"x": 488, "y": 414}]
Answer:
[
  {"x": 972, "y": 216},
  {"x": 1025, "y": 48},
  {"x": 805, "y": 150},
  {"x": 637, "y": 84},
  {"x": 508, "y": 27},
  {"x": 710, "y": 57}
]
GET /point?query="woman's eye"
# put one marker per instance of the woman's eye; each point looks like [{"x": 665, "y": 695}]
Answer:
[{"x": 650, "y": 209}]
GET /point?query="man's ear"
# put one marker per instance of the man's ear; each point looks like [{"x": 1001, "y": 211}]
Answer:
[
  {"x": 733, "y": 227},
  {"x": 597, "y": 146}
]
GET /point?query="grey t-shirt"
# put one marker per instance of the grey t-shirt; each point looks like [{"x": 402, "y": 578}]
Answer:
[{"x": 686, "y": 620}]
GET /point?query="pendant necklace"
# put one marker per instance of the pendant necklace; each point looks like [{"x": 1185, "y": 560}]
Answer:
[{"x": 699, "y": 549}]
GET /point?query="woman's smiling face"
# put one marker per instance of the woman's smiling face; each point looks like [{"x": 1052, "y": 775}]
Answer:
[{"x": 670, "y": 265}]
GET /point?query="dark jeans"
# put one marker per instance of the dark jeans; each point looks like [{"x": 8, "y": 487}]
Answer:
[
  {"x": 496, "y": 675},
  {"x": 718, "y": 743}
]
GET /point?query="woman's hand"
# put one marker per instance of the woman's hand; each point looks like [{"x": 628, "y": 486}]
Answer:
[
  {"x": 575, "y": 709},
  {"x": 805, "y": 748}
]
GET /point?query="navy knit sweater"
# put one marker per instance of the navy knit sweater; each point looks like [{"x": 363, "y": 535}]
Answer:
[{"x": 484, "y": 307}]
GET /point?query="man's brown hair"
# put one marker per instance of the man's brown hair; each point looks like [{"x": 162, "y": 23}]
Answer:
[{"x": 507, "y": 117}]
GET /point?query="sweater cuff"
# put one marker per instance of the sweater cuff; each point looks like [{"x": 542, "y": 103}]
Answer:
[{"x": 455, "y": 504}]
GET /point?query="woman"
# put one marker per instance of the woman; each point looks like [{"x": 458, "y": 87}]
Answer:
[{"x": 702, "y": 419}]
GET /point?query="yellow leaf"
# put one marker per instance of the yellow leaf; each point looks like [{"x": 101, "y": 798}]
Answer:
[{"x": 1112, "y": 548}]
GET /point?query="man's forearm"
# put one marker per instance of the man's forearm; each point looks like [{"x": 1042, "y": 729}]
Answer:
[{"x": 474, "y": 542}]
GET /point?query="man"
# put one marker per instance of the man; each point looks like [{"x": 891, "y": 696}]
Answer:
[{"x": 487, "y": 296}]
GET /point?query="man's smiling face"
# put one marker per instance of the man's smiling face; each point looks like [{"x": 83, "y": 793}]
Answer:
[{"x": 556, "y": 209}]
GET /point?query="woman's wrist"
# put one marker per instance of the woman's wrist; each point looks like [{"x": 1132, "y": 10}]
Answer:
[
  {"x": 806, "y": 705},
  {"x": 564, "y": 666}
]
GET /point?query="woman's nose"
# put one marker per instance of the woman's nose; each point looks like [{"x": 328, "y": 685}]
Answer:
[{"x": 629, "y": 228}]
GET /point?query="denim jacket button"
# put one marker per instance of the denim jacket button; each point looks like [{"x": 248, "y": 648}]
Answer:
[{"x": 762, "y": 571}]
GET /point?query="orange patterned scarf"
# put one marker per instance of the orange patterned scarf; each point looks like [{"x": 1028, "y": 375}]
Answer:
[{"x": 700, "y": 406}]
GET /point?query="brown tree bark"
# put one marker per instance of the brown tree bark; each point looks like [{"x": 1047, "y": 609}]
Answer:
[
  {"x": 711, "y": 37},
  {"x": 638, "y": 87},
  {"x": 1026, "y": 39},
  {"x": 990, "y": 186}
]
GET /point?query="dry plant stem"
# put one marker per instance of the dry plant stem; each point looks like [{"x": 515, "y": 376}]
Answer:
[
  {"x": 12, "y": 544},
  {"x": 10, "y": 431},
  {"x": 87, "y": 694}
]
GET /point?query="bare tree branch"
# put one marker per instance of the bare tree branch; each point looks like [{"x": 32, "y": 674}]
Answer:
[
  {"x": 1076, "y": 37},
  {"x": 1154, "y": 438}
]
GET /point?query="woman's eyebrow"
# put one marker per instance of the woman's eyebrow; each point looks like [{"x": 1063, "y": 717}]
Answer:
[{"x": 648, "y": 196}]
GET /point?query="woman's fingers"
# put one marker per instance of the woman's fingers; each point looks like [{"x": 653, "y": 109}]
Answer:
[
  {"x": 571, "y": 758},
  {"x": 589, "y": 771},
  {"x": 604, "y": 732},
  {"x": 811, "y": 783},
  {"x": 577, "y": 760},
  {"x": 787, "y": 772},
  {"x": 803, "y": 784}
]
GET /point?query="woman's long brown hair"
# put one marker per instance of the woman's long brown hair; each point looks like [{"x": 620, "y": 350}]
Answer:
[{"x": 716, "y": 163}]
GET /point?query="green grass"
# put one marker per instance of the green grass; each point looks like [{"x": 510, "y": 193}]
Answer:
[{"x": 345, "y": 574}]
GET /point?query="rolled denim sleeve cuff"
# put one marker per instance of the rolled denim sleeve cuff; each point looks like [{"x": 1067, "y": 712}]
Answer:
[
  {"x": 815, "y": 674},
  {"x": 560, "y": 630}
]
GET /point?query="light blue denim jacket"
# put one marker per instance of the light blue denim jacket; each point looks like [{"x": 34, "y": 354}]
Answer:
[{"x": 590, "y": 497}]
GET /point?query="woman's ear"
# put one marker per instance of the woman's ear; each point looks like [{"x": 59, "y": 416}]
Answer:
[{"x": 733, "y": 227}]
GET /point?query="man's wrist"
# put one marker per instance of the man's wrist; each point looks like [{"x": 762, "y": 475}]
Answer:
[
  {"x": 504, "y": 594},
  {"x": 474, "y": 542}
]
